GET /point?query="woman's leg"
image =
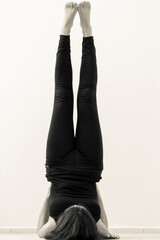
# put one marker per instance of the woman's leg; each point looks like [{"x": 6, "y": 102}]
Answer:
[
  {"x": 88, "y": 131},
  {"x": 61, "y": 132}
]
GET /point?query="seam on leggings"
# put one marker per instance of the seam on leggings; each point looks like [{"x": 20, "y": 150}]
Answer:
[{"x": 74, "y": 159}]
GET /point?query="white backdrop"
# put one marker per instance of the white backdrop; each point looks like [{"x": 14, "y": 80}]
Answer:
[{"x": 127, "y": 41}]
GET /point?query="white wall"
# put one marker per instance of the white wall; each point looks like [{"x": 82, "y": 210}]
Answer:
[{"x": 128, "y": 54}]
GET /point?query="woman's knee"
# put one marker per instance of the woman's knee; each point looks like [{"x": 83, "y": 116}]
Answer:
[
  {"x": 63, "y": 94},
  {"x": 87, "y": 94}
]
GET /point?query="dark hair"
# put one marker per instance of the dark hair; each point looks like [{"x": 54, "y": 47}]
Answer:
[{"x": 75, "y": 223}]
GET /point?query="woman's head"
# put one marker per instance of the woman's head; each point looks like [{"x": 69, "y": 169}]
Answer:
[{"x": 76, "y": 222}]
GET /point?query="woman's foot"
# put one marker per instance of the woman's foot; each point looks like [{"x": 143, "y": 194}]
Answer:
[
  {"x": 70, "y": 12},
  {"x": 84, "y": 10}
]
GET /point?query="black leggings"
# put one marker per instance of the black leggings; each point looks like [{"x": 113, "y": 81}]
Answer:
[{"x": 61, "y": 142}]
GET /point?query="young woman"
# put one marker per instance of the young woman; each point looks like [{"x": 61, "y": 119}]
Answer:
[{"x": 73, "y": 208}]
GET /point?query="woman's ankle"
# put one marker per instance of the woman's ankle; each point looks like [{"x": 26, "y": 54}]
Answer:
[{"x": 87, "y": 31}]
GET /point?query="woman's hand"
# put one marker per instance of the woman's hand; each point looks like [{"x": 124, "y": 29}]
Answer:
[
  {"x": 103, "y": 231},
  {"x": 109, "y": 236}
]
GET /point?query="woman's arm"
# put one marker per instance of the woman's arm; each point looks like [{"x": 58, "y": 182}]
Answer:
[
  {"x": 102, "y": 224},
  {"x": 44, "y": 213},
  {"x": 103, "y": 214},
  {"x": 47, "y": 228}
]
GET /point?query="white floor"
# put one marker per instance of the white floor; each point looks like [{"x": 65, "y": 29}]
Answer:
[{"x": 31, "y": 236}]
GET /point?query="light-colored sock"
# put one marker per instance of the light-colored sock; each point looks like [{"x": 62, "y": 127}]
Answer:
[
  {"x": 84, "y": 10},
  {"x": 70, "y": 12}
]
